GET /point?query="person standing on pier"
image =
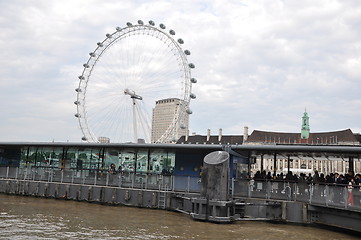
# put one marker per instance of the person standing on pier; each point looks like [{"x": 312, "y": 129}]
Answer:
[{"x": 350, "y": 200}]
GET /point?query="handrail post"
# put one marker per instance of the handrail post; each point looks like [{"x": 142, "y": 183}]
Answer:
[
  {"x": 250, "y": 187},
  {"x": 163, "y": 181},
  {"x": 120, "y": 179},
  {"x": 188, "y": 183},
  {"x": 107, "y": 179},
  {"x": 295, "y": 189},
  {"x": 52, "y": 175},
  {"x": 327, "y": 192},
  {"x": 345, "y": 195},
  {"x": 95, "y": 178},
  {"x": 132, "y": 177},
  {"x": 26, "y": 173},
  {"x": 173, "y": 182},
  {"x": 48, "y": 173},
  {"x": 146, "y": 181},
  {"x": 232, "y": 188}
]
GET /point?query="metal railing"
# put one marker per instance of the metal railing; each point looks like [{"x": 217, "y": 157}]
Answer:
[
  {"x": 330, "y": 195},
  {"x": 104, "y": 178}
]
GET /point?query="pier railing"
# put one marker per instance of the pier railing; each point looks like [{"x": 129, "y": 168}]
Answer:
[
  {"x": 330, "y": 195},
  {"x": 104, "y": 178}
]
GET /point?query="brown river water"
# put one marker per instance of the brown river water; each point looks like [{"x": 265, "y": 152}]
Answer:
[{"x": 38, "y": 218}]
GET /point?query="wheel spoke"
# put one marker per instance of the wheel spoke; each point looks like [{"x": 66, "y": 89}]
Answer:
[{"x": 124, "y": 77}]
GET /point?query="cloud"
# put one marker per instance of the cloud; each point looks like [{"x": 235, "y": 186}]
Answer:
[{"x": 258, "y": 63}]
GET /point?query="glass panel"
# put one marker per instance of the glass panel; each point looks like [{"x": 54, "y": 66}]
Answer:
[
  {"x": 83, "y": 158},
  {"x": 23, "y": 156},
  {"x": 142, "y": 161},
  {"x": 162, "y": 162},
  {"x": 170, "y": 162},
  {"x": 70, "y": 158},
  {"x": 10, "y": 156},
  {"x": 127, "y": 160},
  {"x": 123, "y": 159},
  {"x": 49, "y": 157},
  {"x": 41, "y": 157},
  {"x": 31, "y": 158},
  {"x": 112, "y": 156}
]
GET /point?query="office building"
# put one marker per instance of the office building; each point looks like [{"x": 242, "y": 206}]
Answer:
[{"x": 169, "y": 121}]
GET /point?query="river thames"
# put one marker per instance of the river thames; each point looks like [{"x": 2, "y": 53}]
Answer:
[{"x": 38, "y": 218}]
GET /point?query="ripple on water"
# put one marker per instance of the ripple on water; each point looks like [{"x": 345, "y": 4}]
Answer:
[{"x": 36, "y": 218}]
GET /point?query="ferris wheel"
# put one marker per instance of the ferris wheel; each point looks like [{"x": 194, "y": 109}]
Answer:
[{"x": 128, "y": 73}]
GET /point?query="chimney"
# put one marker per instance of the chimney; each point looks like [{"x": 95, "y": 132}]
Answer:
[
  {"x": 187, "y": 135},
  {"x": 245, "y": 134},
  {"x": 208, "y": 134},
  {"x": 220, "y": 135}
]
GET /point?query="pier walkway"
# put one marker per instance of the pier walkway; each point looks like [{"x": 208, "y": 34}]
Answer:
[{"x": 330, "y": 204}]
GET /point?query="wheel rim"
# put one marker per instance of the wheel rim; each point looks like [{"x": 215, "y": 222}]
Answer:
[{"x": 124, "y": 76}]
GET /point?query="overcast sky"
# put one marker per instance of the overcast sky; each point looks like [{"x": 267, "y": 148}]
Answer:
[{"x": 259, "y": 63}]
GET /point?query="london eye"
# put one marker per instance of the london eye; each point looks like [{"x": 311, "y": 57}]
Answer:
[{"x": 125, "y": 75}]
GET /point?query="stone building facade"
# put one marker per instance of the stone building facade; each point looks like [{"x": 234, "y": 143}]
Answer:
[
  {"x": 306, "y": 163},
  {"x": 321, "y": 163}
]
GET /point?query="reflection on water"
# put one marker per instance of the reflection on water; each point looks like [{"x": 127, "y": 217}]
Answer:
[{"x": 37, "y": 218}]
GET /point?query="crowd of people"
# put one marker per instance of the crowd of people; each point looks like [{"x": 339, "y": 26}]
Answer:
[
  {"x": 349, "y": 180},
  {"x": 332, "y": 178}
]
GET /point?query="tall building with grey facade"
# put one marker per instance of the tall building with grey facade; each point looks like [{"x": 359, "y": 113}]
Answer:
[{"x": 165, "y": 113}]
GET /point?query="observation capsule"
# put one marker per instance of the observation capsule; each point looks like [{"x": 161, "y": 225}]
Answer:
[
  {"x": 180, "y": 41},
  {"x": 77, "y": 90},
  {"x": 100, "y": 44},
  {"x": 151, "y": 23},
  {"x": 182, "y": 126},
  {"x": 171, "y": 32},
  {"x": 192, "y": 95},
  {"x": 193, "y": 80},
  {"x": 118, "y": 29},
  {"x": 191, "y": 65},
  {"x": 129, "y": 24},
  {"x": 189, "y": 111},
  {"x": 86, "y": 65},
  {"x": 162, "y": 26},
  {"x": 140, "y": 22},
  {"x": 92, "y": 54},
  {"x": 81, "y": 77},
  {"x": 77, "y": 103},
  {"x": 108, "y": 35},
  {"x": 187, "y": 52},
  {"x": 84, "y": 139},
  {"x": 77, "y": 115}
]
